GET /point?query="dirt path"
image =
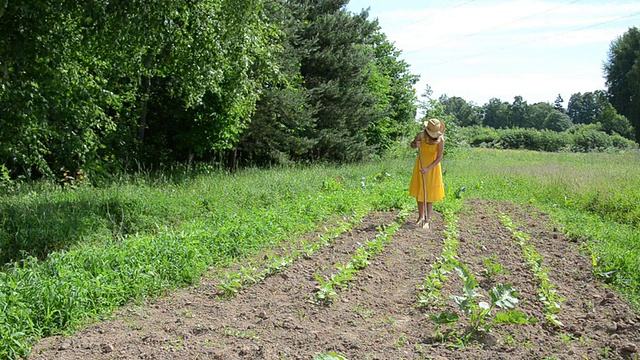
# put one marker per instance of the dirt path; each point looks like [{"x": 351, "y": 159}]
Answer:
[{"x": 377, "y": 316}]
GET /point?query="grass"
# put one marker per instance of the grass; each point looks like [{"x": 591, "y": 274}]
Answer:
[{"x": 71, "y": 256}]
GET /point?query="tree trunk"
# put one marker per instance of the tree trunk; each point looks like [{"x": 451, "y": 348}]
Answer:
[{"x": 146, "y": 81}]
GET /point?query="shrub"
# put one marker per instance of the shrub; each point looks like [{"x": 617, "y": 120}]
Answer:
[
  {"x": 480, "y": 136},
  {"x": 590, "y": 138},
  {"x": 518, "y": 138}
]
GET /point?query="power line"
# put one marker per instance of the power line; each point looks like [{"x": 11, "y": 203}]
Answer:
[
  {"x": 496, "y": 27},
  {"x": 540, "y": 39},
  {"x": 427, "y": 17}
]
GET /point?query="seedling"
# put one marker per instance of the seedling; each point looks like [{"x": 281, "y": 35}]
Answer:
[
  {"x": 492, "y": 268},
  {"x": 329, "y": 356}
]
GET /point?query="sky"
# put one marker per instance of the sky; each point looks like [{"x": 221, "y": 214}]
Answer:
[{"x": 484, "y": 49}]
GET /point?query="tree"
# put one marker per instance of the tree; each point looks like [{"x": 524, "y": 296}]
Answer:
[
  {"x": 539, "y": 113},
  {"x": 465, "y": 114},
  {"x": 622, "y": 73},
  {"x": 612, "y": 122},
  {"x": 557, "y": 121},
  {"x": 558, "y": 104},
  {"x": 520, "y": 113},
  {"x": 585, "y": 108},
  {"x": 496, "y": 114}
]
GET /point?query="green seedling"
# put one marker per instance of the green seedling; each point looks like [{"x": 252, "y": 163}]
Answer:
[
  {"x": 546, "y": 290},
  {"x": 231, "y": 285},
  {"x": 492, "y": 268},
  {"x": 329, "y": 356},
  {"x": 326, "y": 293}
]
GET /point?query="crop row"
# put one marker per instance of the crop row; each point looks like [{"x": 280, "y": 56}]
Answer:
[
  {"x": 326, "y": 290},
  {"x": 547, "y": 292},
  {"x": 235, "y": 280}
]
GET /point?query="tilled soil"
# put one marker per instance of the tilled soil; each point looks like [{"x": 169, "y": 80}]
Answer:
[{"x": 377, "y": 316}]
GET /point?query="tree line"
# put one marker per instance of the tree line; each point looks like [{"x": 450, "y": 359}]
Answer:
[
  {"x": 106, "y": 86},
  {"x": 583, "y": 108}
]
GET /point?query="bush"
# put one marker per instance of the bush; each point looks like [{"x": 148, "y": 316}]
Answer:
[
  {"x": 518, "y": 138},
  {"x": 620, "y": 142},
  {"x": 590, "y": 138},
  {"x": 480, "y": 136},
  {"x": 579, "y": 138},
  {"x": 552, "y": 141}
]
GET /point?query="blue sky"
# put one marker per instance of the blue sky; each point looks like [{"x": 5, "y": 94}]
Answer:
[{"x": 479, "y": 49}]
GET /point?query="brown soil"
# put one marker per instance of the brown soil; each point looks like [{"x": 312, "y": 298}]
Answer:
[{"x": 377, "y": 316}]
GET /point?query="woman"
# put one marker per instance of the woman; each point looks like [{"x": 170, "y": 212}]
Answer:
[{"x": 426, "y": 182}]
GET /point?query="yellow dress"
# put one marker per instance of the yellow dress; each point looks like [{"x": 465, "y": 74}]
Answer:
[{"x": 433, "y": 178}]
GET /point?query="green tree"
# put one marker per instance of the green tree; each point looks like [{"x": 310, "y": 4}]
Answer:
[
  {"x": 622, "y": 73},
  {"x": 89, "y": 81},
  {"x": 585, "y": 108},
  {"x": 557, "y": 121},
  {"x": 558, "y": 104},
  {"x": 538, "y": 114},
  {"x": 612, "y": 122},
  {"x": 281, "y": 129},
  {"x": 464, "y": 113},
  {"x": 342, "y": 77},
  {"x": 520, "y": 114},
  {"x": 496, "y": 114}
]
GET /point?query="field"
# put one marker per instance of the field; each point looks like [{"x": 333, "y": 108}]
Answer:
[{"x": 300, "y": 263}]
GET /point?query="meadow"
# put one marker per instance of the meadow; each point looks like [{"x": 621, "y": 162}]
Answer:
[{"x": 72, "y": 256}]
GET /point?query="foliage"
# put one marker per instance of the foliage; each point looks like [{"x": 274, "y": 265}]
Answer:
[
  {"x": 547, "y": 293},
  {"x": 492, "y": 268},
  {"x": 329, "y": 356},
  {"x": 579, "y": 138},
  {"x": 464, "y": 114},
  {"x": 326, "y": 289},
  {"x": 108, "y": 86},
  {"x": 622, "y": 73},
  {"x": 585, "y": 108}
]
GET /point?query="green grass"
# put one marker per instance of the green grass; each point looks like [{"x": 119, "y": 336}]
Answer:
[{"x": 73, "y": 256}]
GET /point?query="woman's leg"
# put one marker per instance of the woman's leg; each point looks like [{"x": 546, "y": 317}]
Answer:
[
  {"x": 421, "y": 212},
  {"x": 428, "y": 212}
]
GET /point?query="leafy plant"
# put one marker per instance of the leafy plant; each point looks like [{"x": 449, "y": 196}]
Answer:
[
  {"x": 479, "y": 312},
  {"x": 326, "y": 293}
]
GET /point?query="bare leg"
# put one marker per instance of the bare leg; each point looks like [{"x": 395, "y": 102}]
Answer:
[
  {"x": 421, "y": 213},
  {"x": 428, "y": 211}
]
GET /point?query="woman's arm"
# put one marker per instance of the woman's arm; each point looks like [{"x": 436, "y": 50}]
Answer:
[{"x": 416, "y": 141}]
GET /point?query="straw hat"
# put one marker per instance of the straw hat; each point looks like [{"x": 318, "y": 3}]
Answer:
[{"x": 434, "y": 127}]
